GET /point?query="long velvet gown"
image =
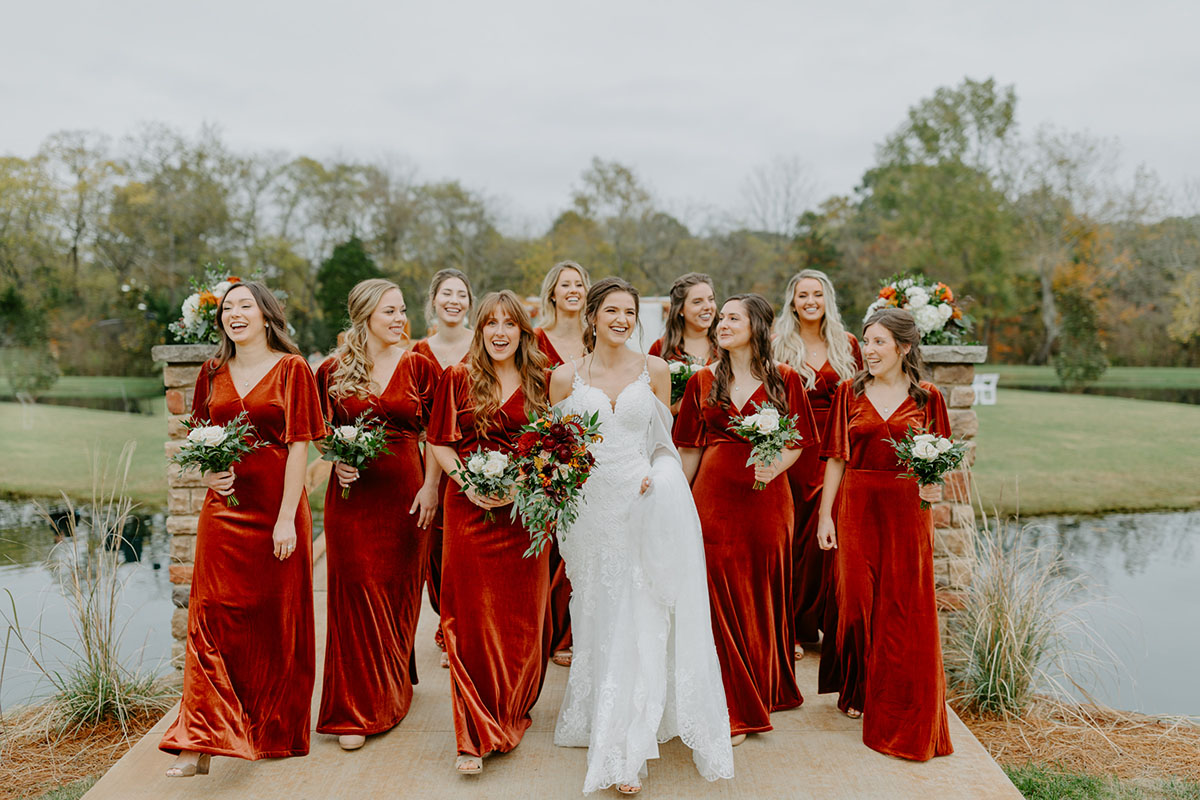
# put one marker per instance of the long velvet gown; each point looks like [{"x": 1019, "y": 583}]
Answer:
[
  {"x": 433, "y": 575},
  {"x": 887, "y": 635},
  {"x": 377, "y": 557},
  {"x": 250, "y": 660},
  {"x": 494, "y": 601},
  {"x": 748, "y": 551},
  {"x": 560, "y": 586},
  {"x": 813, "y": 573}
]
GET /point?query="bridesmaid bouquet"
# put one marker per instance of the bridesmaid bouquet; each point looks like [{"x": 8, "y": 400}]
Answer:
[
  {"x": 488, "y": 472},
  {"x": 927, "y": 457},
  {"x": 355, "y": 444},
  {"x": 681, "y": 371},
  {"x": 216, "y": 448},
  {"x": 553, "y": 462},
  {"x": 768, "y": 432}
]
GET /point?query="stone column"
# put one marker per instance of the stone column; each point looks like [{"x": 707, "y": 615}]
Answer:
[
  {"x": 185, "y": 492},
  {"x": 952, "y": 369}
]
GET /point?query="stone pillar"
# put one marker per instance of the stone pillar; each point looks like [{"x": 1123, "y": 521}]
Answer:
[
  {"x": 952, "y": 369},
  {"x": 185, "y": 492}
]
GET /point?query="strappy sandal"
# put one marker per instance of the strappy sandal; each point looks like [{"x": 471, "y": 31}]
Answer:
[
  {"x": 853, "y": 713},
  {"x": 468, "y": 765},
  {"x": 628, "y": 788},
  {"x": 445, "y": 662},
  {"x": 188, "y": 770},
  {"x": 562, "y": 658}
]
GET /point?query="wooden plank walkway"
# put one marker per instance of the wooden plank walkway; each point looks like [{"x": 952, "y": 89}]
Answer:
[{"x": 814, "y": 752}]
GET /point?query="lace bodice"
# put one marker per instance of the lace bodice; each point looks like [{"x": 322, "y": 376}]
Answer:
[{"x": 623, "y": 424}]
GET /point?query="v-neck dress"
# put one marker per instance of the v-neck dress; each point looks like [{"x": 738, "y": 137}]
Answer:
[
  {"x": 494, "y": 601},
  {"x": 748, "y": 551},
  {"x": 433, "y": 574},
  {"x": 376, "y": 556},
  {"x": 250, "y": 659},
  {"x": 888, "y": 645}
]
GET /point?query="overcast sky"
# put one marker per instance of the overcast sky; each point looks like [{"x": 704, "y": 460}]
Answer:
[{"x": 514, "y": 98}]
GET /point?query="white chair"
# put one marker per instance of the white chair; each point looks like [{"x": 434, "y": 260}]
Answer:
[{"x": 985, "y": 388}]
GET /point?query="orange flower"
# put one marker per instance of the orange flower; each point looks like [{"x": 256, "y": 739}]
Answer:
[
  {"x": 943, "y": 292},
  {"x": 207, "y": 299},
  {"x": 956, "y": 315},
  {"x": 234, "y": 279},
  {"x": 887, "y": 292}
]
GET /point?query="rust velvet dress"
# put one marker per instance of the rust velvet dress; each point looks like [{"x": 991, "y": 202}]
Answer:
[
  {"x": 748, "y": 551},
  {"x": 560, "y": 586},
  {"x": 887, "y": 637},
  {"x": 494, "y": 601},
  {"x": 376, "y": 557},
  {"x": 250, "y": 659},
  {"x": 813, "y": 579},
  {"x": 433, "y": 577}
]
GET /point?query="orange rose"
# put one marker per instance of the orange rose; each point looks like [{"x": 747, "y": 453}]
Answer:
[
  {"x": 887, "y": 292},
  {"x": 234, "y": 279},
  {"x": 207, "y": 299}
]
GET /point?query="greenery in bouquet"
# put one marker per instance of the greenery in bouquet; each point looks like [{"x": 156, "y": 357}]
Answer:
[
  {"x": 681, "y": 372},
  {"x": 927, "y": 457},
  {"x": 769, "y": 432},
  {"x": 197, "y": 323},
  {"x": 932, "y": 304},
  {"x": 490, "y": 473},
  {"x": 553, "y": 462},
  {"x": 216, "y": 448},
  {"x": 356, "y": 445}
]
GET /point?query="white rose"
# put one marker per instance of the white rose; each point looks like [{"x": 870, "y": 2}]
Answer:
[
  {"x": 924, "y": 437},
  {"x": 190, "y": 307},
  {"x": 221, "y": 288},
  {"x": 678, "y": 366},
  {"x": 945, "y": 311},
  {"x": 347, "y": 433},
  {"x": 928, "y": 319},
  {"x": 750, "y": 421},
  {"x": 927, "y": 451},
  {"x": 943, "y": 445},
  {"x": 768, "y": 411},
  {"x": 211, "y": 435},
  {"x": 475, "y": 463},
  {"x": 904, "y": 284},
  {"x": 915, "y": 298},
  {"x": 767, "y": 423},
  {"x": 494, "y": 467}
]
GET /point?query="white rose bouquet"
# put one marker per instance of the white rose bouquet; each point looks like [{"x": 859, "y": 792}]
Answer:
[
  {"x": 355, "y": 444},
  {"x": 216, "y": 448},
  {"x": 769, "y": 432},
  {"x": 932, "y": 305},
  {"x": 927, "y": 457},
  {"x": 198, "y": 321},
  {"x": 681, "y": 371},
  {"x": 488, "y": 472}
]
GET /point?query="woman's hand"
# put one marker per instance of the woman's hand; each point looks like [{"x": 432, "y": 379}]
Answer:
[
  {"x": 219, "y": 482},
  {"x": 284, "y": 538},
  {"x": 826, "y": 533},
  {"x": 770, "y": 472},
  {"x": 487, "y": 501},
  {"x": 345, "y": 473},
  {"x": 645, "y": 485},
  {"x": 931, "y": 493},
  {"x": 425, "y": 505}
]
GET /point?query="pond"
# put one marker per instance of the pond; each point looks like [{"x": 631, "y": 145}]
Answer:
[{"x": 1142, "y": 574}]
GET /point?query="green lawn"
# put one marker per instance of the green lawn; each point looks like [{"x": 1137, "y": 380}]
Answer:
[
  {"x": 1038, "y": 782},
  {"x": 1086, "y": 453},
  {"x": 103, "y": 387},
  {"x": 1019, "y": 375}
]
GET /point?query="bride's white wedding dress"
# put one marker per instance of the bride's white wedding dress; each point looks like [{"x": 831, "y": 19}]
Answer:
[{"x": 645, "y": 668}]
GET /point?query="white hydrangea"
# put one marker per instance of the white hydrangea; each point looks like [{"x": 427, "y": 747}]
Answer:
[
  {"x": 928, "y": 319},
  {"x": 191, "y": 306},
  {"x": 915, "y": 298},
  {"x": 221, "y": 288},
  {"x": 945, "y": 311}
]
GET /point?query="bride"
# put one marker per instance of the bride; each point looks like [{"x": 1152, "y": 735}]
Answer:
[{"x": 645, "y": 667}]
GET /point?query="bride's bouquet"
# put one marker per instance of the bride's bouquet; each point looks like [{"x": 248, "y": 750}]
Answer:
[
  {"x": 681, "y": 372},
  {"x": 355, "y": 444},
  {"x": 927, "y": 457},
  {"x": 490, "y": 473},
  {"x": 216, "y": 448},
  {"x": 769, "y": 432},
  {"x": 553, "y": 462}
]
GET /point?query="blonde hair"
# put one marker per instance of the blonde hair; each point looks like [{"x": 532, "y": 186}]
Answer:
[
  {"x": 528, "y": 359},
  {"x": 789, "y": 345},
  {"x": 352, "y": 375},
  {"x": 548, "y": 315}
]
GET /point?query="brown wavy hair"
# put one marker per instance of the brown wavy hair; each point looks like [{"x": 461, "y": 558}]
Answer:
[
  {"x": 903, "y": 327},
  {"x": 435, "y": 283},
  {"x": 278, "y": 338},
  {"x": 672, "y": 340},
  {"x": 595, "y": 296},
  {"x": 762, "y": 364},
  {"x": 530, "y": 363},
  {"x": 352, "y": 375}
]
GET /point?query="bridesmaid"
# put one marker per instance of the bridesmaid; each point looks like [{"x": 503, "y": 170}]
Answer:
[
  {"x": 249, "y": 663},
  {"x": 810, "y": 337},
  {"x": 691, "y": 331},
  {"x": 747, "y": 533},
  {"x": 449, "y": 303},
  {"x": 887, "y": 634},
  {"x": 561, "y": 339},
  {"x": 494, "y": 601},
  {"x": 376, "y": 555}
]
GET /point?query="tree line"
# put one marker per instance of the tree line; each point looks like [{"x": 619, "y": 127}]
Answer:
[{"x": 1060, "y": 254}]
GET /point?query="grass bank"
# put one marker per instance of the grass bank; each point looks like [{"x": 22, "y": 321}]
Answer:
[
  {"x": 1025, "y": 375},
  {"x": 1063, "y": 453},
  {"x": 105, "y": 387}
]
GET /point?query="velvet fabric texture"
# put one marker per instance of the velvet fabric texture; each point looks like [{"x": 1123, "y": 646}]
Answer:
[
  {"x": 433, "y": 575},
  {"x": 376, "y": 556},
  {"x": 494, "y": 601},
  {"x": 748, "y": 552},
  {"x": 814, "y": 606},
  {"x": 560, "y": 586},
  {"x": 888, "y": 645},
  {"x": 250, "y": 659},
  {"x": 678, "y": 355}
]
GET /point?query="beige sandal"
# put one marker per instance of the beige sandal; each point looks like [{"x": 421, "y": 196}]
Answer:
[
  {"x": 562, "y": 658},
  {"x": 200, "y": 767},
  {"x": 468, "y": 765},
  {"x": 628, "y": 788},
  {"x": 853, "y": 713},
  {"x": 351, "y": 741},
  {"x": 799, "y": 652},
  {"x": 734, "y": 741}
]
